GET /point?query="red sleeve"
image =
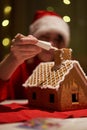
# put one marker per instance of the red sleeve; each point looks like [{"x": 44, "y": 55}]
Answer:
[
  {"x": 13, "y": 88},
  {"x": 3, "y": 90}
]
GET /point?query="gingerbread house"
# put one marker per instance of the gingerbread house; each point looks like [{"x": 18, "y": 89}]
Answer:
[{"x": 60, "y": 85}]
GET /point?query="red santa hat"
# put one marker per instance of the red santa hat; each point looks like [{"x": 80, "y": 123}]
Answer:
[{"x": 47, "y": 21}]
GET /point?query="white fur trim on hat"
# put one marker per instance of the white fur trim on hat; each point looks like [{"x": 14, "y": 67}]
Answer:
[{"x": 50, "y": 23}]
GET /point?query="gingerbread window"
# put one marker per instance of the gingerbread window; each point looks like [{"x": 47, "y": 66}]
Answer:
[
  {"x": 51, "y": 96},
  {"x": 34, "y": 95},
  {"x": 74, "y": 97}
]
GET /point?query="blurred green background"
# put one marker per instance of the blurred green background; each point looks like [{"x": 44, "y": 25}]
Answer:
[{"x": 21, "y": 14}]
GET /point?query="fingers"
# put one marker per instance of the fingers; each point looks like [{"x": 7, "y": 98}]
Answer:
[
  {"x": 23, "y": 47},
  {"x": 19, "y": 35},
  {"x": 25, "y": 43},
  {"x": 21, "y": 39},
  {"x": 23, "y": 53},
  {"x": 26, "y": 48},
  {"x": 16, "y": 38},
  {"x": 29, "y": 39}
]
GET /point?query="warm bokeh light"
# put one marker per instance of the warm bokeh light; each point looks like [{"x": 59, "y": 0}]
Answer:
[
  {"x": 7, "y": 9},
  {"x": 5, "y": 41},
  {"x": 66, "y": 18},
  {"x": 49, "y": 8},
  {"x": 66, "y": 2},
  {"x": 5, "y": 22}
]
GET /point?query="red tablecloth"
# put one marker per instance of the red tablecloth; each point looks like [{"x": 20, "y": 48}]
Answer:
[{"x": 16, "y": 112}]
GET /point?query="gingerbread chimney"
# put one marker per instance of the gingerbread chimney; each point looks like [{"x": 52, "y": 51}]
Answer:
[{"x": 61, "y": 55}]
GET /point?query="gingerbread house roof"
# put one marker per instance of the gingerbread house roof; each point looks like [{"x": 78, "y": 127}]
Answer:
[{"x": 43, "y": 76}]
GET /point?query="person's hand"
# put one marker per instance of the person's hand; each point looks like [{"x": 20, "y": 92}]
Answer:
[{"x": 23, "y": 47}]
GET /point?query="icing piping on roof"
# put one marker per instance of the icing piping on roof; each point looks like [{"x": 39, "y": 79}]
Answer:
[
  {"x": 63, "y": 77},
  {"x": 43, "y": 80}
]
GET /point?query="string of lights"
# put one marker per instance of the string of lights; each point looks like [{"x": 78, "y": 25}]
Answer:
[
  {"x": 66, "y": 18},
  {"x": 5, "y": 27},
  {"x": 5, "y": 23}
]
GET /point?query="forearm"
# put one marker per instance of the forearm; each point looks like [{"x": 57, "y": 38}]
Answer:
[{"x": 7, "y": 67}]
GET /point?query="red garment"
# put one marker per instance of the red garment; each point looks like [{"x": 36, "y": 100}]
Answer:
[
  {"x": 18, "y": 112},
  {"x": 13, "y": 89}
]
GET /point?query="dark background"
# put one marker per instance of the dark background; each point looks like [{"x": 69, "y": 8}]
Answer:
[{"x": 22, "y": 14}]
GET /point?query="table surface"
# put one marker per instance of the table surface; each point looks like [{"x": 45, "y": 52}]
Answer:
[
  {"x": 64, "y": 124},
  {"x": 15, "y": 101}
]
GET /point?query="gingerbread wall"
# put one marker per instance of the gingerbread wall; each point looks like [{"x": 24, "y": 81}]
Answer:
[
  {"x": 42, "y": 99},
  {"x": 73, "y": 85}
]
